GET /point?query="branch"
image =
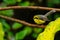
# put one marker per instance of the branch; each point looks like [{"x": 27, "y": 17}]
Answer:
[
  {"x": 29, "y": 7},
  {"x": 24, "y": 7},
  {"x": 23, "y": 22}
]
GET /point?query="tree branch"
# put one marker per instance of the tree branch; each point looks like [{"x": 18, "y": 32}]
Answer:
[
  {"x": 24, "y": 7},
  {"x": 23, "y": 22},
  {"x": 29, "y": 7}
]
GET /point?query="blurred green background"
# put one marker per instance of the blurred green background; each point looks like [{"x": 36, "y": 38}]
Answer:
[{"x": 17, "y": 31}]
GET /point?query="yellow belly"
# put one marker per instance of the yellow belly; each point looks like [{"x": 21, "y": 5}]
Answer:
[{"x": 38, "y": 21}]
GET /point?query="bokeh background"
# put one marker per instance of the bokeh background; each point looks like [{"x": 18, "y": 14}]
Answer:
[{"x": 17, "y": 31}]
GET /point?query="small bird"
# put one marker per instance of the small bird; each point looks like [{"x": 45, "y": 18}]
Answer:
[{"x": 40, "y": 19}]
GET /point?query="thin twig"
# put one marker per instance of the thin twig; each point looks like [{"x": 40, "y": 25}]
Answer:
[
  {"x": 23, "y": 22},
  {"x": 31, "y": 7}
]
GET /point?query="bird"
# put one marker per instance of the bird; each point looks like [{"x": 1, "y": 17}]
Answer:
[{"x": 40, "y": 19}]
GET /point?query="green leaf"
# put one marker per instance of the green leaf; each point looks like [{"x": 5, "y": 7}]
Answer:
[
  {"x": 7, "y": 13},
  {"x": 10, "y": 33},
  {"x": 16, "y": 25},
  {"x": 26, "y": 3},
  {"x": 56, "y": 1},
  {"x": 21, "y": 35},
  {"x": 38, "y": 30},
  {"x": 5, "y": 24},
  {"x": 9, "y": 1},
  {"x": 1, "y": 32},
  {"x": 29, "y": 29},
  {"x": 51, "y": 3},
  {"x": 34, "y": 35},
  {"x": 18, "y": 0}
]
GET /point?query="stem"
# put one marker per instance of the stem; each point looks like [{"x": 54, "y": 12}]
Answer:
[
  {"x": 28, "y": 7},
  {"x": 50, "y": 12},
  {"x": 23, "y": 22}
]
